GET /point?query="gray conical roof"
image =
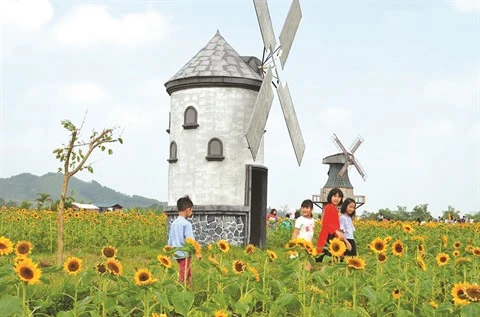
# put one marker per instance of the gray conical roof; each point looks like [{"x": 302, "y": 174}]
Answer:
[{"x": 217, "y": 64}]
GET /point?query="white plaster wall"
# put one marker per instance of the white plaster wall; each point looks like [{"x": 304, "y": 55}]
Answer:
[{"x": 223, "y": 113}]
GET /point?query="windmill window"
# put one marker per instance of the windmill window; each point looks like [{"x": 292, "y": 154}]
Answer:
[
  {"x": 173, "y": 153},
  {"x": 190, "y": 118},
  {"x": 215, "y": 150}
]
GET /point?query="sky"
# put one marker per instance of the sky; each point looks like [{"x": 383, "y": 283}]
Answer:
[{"x": 403, "y": 75}]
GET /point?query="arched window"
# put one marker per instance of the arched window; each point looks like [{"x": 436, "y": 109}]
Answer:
[
  {"x": 173, "y": 152},
  {"x": 215, "y": 150},
  {"x": 190, "y": 118}
]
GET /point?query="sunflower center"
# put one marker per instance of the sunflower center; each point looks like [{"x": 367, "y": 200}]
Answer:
[
  {"x": 381, "y": 257},
  {"x": 113, "y": 268},
  {"x": 2, "y": 246},
  {"x": 109, "y": 253},
  {"x": 26, "y": 273},
  {"x": 101, "y": 268},
  {"x": 73, "y": 266},
  {"x": 398, "y": 248},
  {"x": 23, "y": 249},
  {"x": 144, "y": 277},
  {"x": 443, "y": 259},
  {"x": 378, "y": 246},
  {"x": 335, "y": 247}
]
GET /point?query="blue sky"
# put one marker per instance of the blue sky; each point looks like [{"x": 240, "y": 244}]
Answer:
[{"x": 404, "y": 75}]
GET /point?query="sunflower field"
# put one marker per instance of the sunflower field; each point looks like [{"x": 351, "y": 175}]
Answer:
[{"x": 117, "y": 264}]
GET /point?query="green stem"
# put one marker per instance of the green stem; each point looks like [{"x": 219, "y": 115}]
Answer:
[
  {"x": 355, "y": 290},
  {"x": 24, "y": 299}
]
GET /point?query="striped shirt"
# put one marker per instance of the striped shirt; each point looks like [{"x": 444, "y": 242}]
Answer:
[{"x": 180, "y": 229}]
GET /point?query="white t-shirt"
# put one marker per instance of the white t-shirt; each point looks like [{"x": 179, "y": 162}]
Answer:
[
  {"x": 346, "y": 225},
  {"x": 305, "y": 226}
]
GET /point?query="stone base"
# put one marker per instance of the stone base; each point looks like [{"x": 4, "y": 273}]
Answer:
[{"x": 212, "y": 223}]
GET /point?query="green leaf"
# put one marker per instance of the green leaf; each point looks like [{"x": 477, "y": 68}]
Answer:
[
  {"x": 471, "y": 310},
  {"x": 182, "y": 301},
  {"x": 241, "y": 308},
  {"x": 110, "y": 151},
  {"x": 10, "y": 305},
  {"x": 120, "y": 140}
]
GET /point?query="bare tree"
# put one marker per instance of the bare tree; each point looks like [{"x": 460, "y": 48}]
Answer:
[{"x": 74, "y": 156}]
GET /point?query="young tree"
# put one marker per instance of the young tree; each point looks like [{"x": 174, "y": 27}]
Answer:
[
  {"x": 42, "y": 199},
  {"x": 74, "y": 156}
]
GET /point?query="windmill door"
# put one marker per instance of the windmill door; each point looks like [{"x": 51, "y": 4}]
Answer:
[{"x": 256, "y": 198}]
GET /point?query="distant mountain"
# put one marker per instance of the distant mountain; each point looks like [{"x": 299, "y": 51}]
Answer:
[{"x": 26, "y": 187}]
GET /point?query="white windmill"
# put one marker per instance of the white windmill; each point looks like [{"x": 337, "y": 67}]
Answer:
[
  {"x": 265, "y": 97},
  {"x": 218, "y": 110}
]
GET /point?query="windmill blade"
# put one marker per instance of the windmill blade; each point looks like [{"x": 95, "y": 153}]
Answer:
[
  {"x": 344, "y": 169},
  {"x": 292, "y": 121},
  {"x": 258, "y": 120},
  {"x": 357, "y": 144},
  {"x": 265, "y": 24},
  {"x": 340, "y": 145},
  {"x": 360, "y": 169},
  {"x": 289, "y": 30}
]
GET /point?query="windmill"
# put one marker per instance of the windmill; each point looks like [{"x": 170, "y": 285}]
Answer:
[
  {"x": 338, "y": 172},
  {"x": 263, "y": 103}
]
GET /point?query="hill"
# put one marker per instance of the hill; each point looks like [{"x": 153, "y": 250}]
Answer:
[{"x": 25, "y": 187}]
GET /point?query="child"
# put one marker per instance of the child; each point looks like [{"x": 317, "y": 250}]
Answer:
[
  {"x": 346, "y": 225},
  {"x": 304, "y": 225},
  {"x": 330, "y": 223},
  {"x": 180, "y": 229}
]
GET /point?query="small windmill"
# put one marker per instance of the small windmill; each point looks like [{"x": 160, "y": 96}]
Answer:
[
  {"x": 271, "y": 52},
  {"x": 338, "y": 172}
]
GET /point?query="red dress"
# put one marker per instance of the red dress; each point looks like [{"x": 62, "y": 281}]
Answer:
[{"x": 330, "y": 223}]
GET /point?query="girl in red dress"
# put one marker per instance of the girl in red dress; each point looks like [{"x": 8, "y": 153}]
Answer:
[{"x": 330, "y": 223}]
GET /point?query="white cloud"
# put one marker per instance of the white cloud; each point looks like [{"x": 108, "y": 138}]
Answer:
[
  {"x": 90, "y": 24},
  {"x": 85, "y": 92},
  {"x": 462, "y": 92},
  {"x": 435, "y": 128},
  {"x": 336, "y": 117},
  {"x": 466, "y": 5},
  {"x": 26, "y": 14}
]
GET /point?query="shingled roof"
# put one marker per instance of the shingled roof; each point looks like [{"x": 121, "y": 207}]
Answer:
[{"x": 217, "y": 64}]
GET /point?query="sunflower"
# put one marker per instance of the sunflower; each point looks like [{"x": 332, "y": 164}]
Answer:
[
  {"x": 381, "y": 257},
  {"x": 28, "y": 271},
  {"x": 158, "y": 315},
  {"x": 114, "y": 267},
  {"x": 239, "y": 266},
  {"x": 167, "y": 248},
  {"x": 462, "y": 260},
  {"x": 101, "y": 268},
  {"x": 356, "y": 263},
  {"x": 457, "y": 244},
  {"x": 72, "y": 265},
  {"x": 456, "y": 253},
  {"x": 337, "y": 247},
  {"x": 223, "y": 245},
  {"x": 459, "y": 297},
  {"x": 254, "y": 271},
  {"x": 421, "y": 263},
  {"x": 23, "y": 248},
  {"x": 472, "y": 291},
  {"x": 18, "y": 259},
  {"x": 421, "y": 249},
  {"x": 311, "y": 249},
  {"x": 397, "y": 248},
  {"x": 433, "y": 303},
  {"x": 165, "y": 261},
  {"x": 210, "y": 247},
  {"x": 469, "y": 249},
  {"x": 272, "y": 255},
  {"x": 221, "y": 313},
  {"x": 249, "y": 249},
  {"x": 387, "y": 239},
  {"x": 396, "y": 293},
  {"x": 195, "y": 245},
  {"x": 290, "y": 244},
  {"x": 407, "y": 228},
  {"x": 212, "y": 260},
  {"x": 109, "y": 252},
  {"x": 6, "y": 246},
  {"x": 378, "y": 245},
  {"x": 144, "y": 277},
  {"x": 476, "y": 251},
  {"x": 301, "y": 242},
  {"x": 444, "y": 241},
  {"x": 442, "y": 259}
]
